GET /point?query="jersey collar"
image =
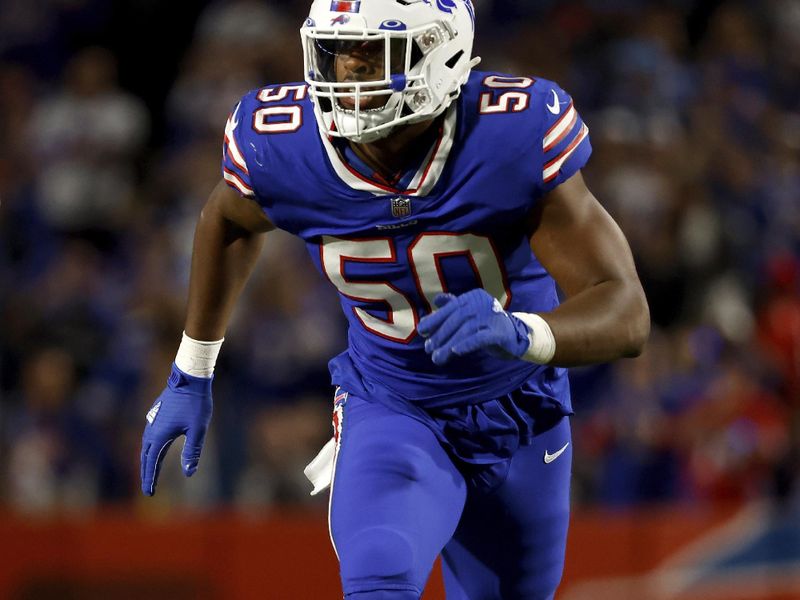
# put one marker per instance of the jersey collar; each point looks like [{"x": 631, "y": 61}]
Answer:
[{"x": 426, "y": 176}]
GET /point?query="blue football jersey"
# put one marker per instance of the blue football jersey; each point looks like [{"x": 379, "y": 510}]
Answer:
[{"x": 454, "y": 224}]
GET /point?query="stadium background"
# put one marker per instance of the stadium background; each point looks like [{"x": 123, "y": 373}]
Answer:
[{"x": 111, "y": 114}]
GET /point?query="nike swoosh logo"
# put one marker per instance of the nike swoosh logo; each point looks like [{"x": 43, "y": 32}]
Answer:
[
  {"x": 548, "y": 458},
  {"x": 555, "y": 107}
]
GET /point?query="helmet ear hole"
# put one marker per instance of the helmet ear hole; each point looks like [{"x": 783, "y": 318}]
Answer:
[
  {"x": 325, "y": 104},
  {"x": 454, "y": 59}
]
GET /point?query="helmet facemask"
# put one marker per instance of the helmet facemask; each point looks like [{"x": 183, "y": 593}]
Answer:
[
  {"x": 367, "y": 81},
  {"x": 361, "y": 78}
]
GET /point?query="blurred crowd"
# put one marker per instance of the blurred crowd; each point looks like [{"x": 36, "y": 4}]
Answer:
[{"x": 694, "y": 112}]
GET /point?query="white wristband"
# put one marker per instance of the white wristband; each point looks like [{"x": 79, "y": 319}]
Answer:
[
  {"x": 543, "y": 343},
  {"x": 197, "y": 358}
]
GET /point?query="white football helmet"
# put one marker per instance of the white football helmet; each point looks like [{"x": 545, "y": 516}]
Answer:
[{"x": 372, "y": 65}]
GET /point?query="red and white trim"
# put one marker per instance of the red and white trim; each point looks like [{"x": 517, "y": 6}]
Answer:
[
  {"x": 235, "y": 154},
  {"x": 560, "y": 131},
  {"x": 552, "y": 168},
  {"x": 424, "y": 180},
  {"x": 339, "y": 396},
  {"x": 236, "y": 182},
  {"x": 561, "y": 128},
  {"x": 230, "y": 140},
  {"x": 338, "y": 424}
]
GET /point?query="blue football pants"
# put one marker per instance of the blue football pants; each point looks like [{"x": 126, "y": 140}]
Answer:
[{"x": 398, "y": 500}]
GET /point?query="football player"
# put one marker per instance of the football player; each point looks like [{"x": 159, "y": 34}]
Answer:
[{"x": 446, "y": 206}]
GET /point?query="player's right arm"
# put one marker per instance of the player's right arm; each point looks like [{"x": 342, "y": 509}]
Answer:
[{"x": 227, "y": 242}]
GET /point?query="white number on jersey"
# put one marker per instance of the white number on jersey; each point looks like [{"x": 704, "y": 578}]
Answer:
[
  {"x": 279, "y": 119},
  {"x": 425, "y": 255},
  {"x": 506, "y": 101},
  {"x": 402, "y": 317}
]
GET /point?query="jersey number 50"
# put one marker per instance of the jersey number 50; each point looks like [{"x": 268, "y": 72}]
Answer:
[
  {"x": 279, "y": 119},
  {"x": 424, "y": 258},
  {"x": 493, "y": 103}
]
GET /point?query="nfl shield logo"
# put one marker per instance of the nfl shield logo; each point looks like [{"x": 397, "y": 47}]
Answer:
[
  {"x": 351, "y": 6},
  {"x": 401, "y": 207}
]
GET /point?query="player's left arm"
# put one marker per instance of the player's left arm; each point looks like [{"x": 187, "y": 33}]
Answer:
[{"x": 605, "y": 314}]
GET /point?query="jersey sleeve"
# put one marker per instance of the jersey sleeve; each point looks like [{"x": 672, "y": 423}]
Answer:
[
  {"x": 565, "y": 142},
  {"x": 234, "y": 165}
]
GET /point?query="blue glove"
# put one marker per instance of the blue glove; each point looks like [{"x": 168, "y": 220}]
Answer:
[
  {"x": 183, "y": 408},
  {"x": 470, "y": 322}
]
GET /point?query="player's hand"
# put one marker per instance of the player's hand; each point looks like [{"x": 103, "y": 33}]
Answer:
[
  {"x": 470, "y": 322},
  {"x": 183, "y": 408}
]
